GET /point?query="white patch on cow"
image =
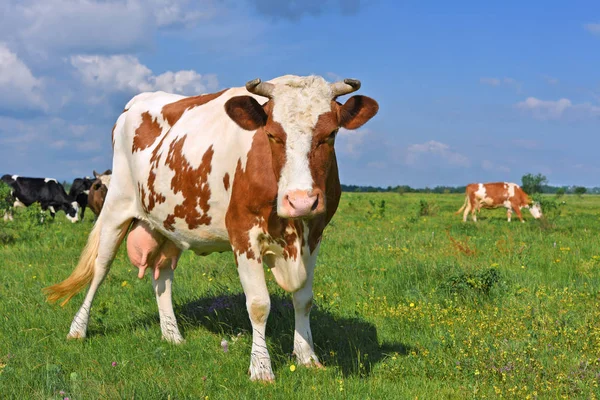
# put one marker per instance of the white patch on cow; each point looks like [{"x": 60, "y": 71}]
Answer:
[
  {"x": 87, "y": 192},
  {"x": 298, "y": 103},
  {"x": 74, "y": 218},
  {"x": 481, "y": 193},
  {"x": 50, "y": 180},
  {"x": 52, "y": 210},
  {"x": 18, "y": 203},
  {"x": 511, "y": 189},
  {"x": 507, "y": 204},
  {"x": 14, "y": 177},
  {"x": 105, "y": 179}
]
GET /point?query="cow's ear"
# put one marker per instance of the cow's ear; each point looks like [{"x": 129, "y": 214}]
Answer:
[
  {"x": 246, "y": 112},
  {"x": 356, "y": 111}
]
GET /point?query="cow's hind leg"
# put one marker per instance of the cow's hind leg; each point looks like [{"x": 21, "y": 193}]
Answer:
[
  {"x": 258, "y": 303},
  {"x": 467, "y": 210},
  {"x": 110, "y": 235},
  {"x": 162, "y": 289},
  {"x": 303, "y": 300}
]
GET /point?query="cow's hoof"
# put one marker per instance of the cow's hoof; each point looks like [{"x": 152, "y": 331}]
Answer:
[
  {"x": 75, "y": 336},
  {"x": 310, "y": 362},
  {"x": 260, "y": 370},
  {"x": 174, "y": 339}
]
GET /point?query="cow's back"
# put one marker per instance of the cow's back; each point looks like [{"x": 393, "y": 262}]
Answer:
[{"x": 181, "y": 158}]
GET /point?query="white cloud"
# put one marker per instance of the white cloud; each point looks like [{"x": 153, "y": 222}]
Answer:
[
  {"x": 490, "y": 81},
  {"x": 440, "y": 150},
  {"x": 506, "y": 81},
  {"x": 351, "y": 142},
  {"x": 124, "y": 73},
  {"x": 19, "y": 89},
  {"x": 182, "y": 12},
  {"x": 47, "y": 27},
  {"x": 592, "y": 28},
  {"x": 552, "y": 110}
]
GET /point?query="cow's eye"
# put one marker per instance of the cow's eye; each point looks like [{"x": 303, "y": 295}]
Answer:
[
  {"x": 331, "y": 138},
  {"x": 274, "y": 138}
]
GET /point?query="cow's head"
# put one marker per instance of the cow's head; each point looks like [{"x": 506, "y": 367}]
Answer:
[
  {"x": 104, "y": 177},
  {"x": 71, "y": 211},
  {"x": 301, "y": 120},
  {"x": 536, "y": 210}
]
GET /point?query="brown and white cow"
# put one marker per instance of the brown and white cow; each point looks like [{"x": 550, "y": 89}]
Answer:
[
  {"x": 225, "y": 171},
  {"x": 498, "y": 194}
]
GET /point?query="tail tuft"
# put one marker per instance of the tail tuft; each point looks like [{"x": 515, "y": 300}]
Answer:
[
  {"x": 463, "y": 206},
  {"x": 81, "y": 275}
]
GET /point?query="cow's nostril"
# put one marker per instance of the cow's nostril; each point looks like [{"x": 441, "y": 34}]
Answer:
[
  {"x": 315, "y": 204},
  {"x": 289, "y": 201}
]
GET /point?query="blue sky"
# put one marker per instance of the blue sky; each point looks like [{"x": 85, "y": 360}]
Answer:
[{"x": 468, "y": 91}]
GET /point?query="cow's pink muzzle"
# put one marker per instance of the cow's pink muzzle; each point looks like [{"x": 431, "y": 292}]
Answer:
[{"x": 302, "y": 203}]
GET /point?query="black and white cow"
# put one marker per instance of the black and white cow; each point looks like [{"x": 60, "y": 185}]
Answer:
[
  {"x": 47, "y": 192},
  {"x": 80, "y": 190}
]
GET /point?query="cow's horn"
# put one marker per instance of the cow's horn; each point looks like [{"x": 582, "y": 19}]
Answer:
[
  {"x": 345, "y": 87},
  {"x": 260, "y": 88}
]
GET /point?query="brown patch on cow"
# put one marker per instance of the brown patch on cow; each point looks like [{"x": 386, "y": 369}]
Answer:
[
  {"x": 290, "y": 250},
  {"x": 169, "y": 223},
  {"x": 142, "y": 194},
  {"x": 259, "y": 312},
  {"x": 145, "y": 135},
  {"x": 253, "y": 194},
  {"x": 173, "y": 111},
  {"x": 277, "y": 140},
  {"x": 153, "y": 196},
  {"x": 192, "y": 183},
  {"x": 285, "y": 233},
  {"x": 333, "y": 193},
  {"x": 226, "y": 181}
]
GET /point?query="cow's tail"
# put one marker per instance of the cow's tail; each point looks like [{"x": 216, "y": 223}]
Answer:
[
  {"x": 463, "y": 206},
  {"x": 82, "y": 274}
]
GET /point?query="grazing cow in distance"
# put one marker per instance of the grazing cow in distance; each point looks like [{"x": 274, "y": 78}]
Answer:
[
  {"x": 498, "y": 194},
  {"x": 249, "y": 169},
  {"x": 80, "y": 189},
  {"x": 47, "y": 192},
  {"x": 98, "y": 191}
]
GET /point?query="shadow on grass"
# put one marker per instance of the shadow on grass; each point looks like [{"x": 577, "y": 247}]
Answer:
[{"x": 348, "y": 343}]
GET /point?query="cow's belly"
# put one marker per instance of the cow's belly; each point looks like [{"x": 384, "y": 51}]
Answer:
[{"x": 202, "y": 240}]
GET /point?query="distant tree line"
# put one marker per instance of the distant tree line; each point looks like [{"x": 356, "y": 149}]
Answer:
[{"x": 529, "y": 182}]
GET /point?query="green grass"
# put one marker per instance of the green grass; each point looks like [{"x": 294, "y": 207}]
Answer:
[{"x": 407, "y": 306}]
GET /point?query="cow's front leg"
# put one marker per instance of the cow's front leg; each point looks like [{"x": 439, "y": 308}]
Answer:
[
  {"x": 303, "y": 300},
  {"x": 258, "y": 303}
]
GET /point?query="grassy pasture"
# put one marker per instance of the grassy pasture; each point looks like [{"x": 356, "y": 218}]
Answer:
[{"x": 406, "y": 306}]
